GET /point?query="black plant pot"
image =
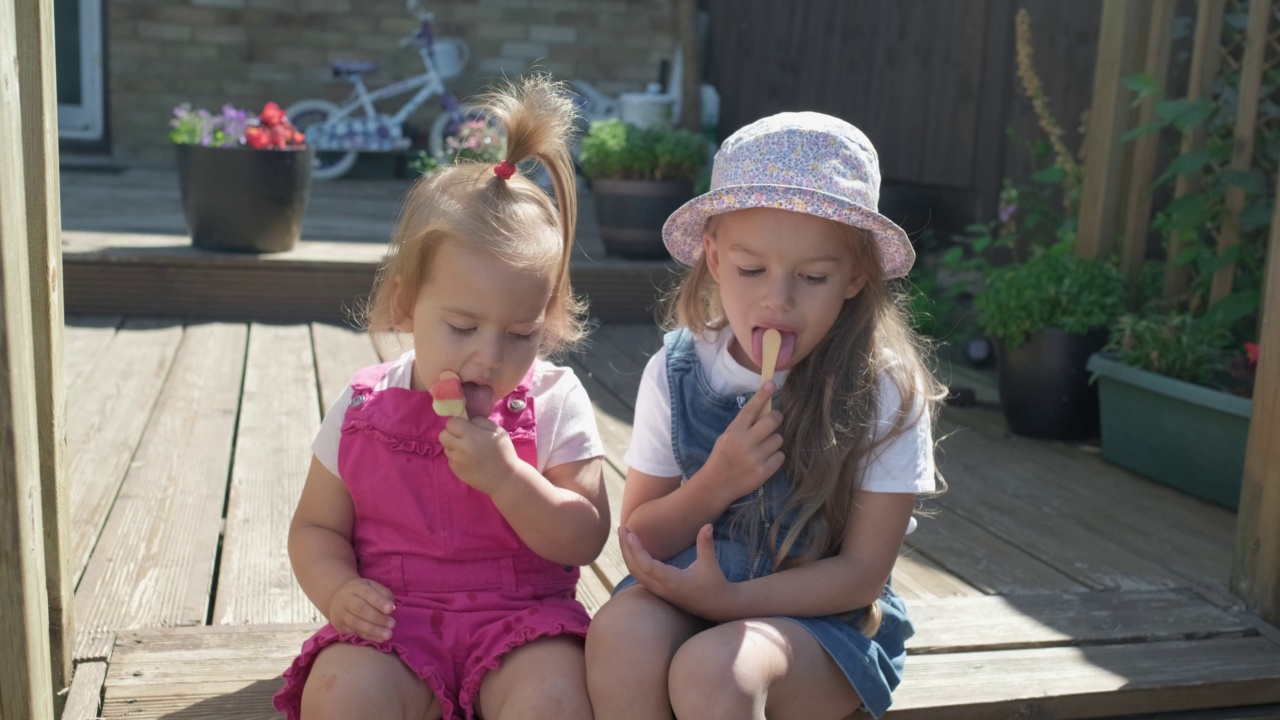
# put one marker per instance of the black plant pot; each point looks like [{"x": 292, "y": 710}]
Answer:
[
  {"x": 242, "y": 199},
  {"x": 631, "y": 214},
  {"x": 1044, "y": 386}
]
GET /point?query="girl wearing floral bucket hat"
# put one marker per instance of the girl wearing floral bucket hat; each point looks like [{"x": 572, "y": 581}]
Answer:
[{"x": 763, "y": 513}]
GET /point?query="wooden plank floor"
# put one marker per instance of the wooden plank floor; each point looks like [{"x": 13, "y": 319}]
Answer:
[{"x": 1045, "y": 584}]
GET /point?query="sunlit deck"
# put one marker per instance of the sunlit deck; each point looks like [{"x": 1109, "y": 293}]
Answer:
[{"x": 1049, "y": 584}]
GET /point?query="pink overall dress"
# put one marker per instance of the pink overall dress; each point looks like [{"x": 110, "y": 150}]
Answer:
[{"x": 467, "y": 589}]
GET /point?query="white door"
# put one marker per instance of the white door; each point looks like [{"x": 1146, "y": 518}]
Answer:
[{"x": 77, "y": 27}]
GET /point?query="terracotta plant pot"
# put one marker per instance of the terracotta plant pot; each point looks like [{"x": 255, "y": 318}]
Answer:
[{"x": 242, "y": 199}]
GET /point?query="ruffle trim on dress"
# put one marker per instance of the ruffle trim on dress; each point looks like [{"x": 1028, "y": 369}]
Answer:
[
  {"x": 420, "y": 446},
  {"x": 526, "y": 633},
  {"x": 289, "y": 698}
]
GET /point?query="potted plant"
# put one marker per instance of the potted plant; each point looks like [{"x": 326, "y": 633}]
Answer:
[
  {"x": 244, "y": 179},
  {"x": 638, "y": 178},
  {"x": 1047, "y": 316},
  {"x": 1176, "y": 378},
  {"x": 1174, "y": 402}
]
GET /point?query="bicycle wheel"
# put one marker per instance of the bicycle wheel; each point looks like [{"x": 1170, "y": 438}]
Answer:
[{"x": 329, "y": 165}]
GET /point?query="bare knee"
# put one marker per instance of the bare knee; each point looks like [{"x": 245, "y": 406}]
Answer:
[
  {"x": 635, "y": 627},
  {"x": 351, "y": 681},
  {"x": 716, "y": 674},
  {"x": 543, "y": 679},
  {"x": 553, "y": 695},
  {"x": 629, "y": 649}
]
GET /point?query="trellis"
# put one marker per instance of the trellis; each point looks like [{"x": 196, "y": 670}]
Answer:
[
  {"x": 1116, "y": 196},
  {"x": 1116, "y": 200}
]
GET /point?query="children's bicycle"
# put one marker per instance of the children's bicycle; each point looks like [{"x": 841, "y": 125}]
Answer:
[{"x": 340, "y": 133}]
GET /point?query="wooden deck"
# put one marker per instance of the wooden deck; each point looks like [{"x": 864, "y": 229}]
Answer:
[
  {"x": 1049, "y": 584},
  {"x": 126, "y": 250}
]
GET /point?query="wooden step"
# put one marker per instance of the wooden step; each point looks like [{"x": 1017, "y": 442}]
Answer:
[{"x": 1068, "y": 655}]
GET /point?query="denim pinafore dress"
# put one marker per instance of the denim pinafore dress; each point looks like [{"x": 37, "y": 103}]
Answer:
[{"x": 699, "y": 415}]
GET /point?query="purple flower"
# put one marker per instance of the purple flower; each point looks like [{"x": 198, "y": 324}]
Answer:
[{"x": 1007, "y": 211}]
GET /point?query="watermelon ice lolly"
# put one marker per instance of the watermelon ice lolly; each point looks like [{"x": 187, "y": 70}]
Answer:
[{"x": 446, "y": 396}]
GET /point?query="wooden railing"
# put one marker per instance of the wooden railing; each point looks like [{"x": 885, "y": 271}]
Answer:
[{"x": 1116, "y": 206}]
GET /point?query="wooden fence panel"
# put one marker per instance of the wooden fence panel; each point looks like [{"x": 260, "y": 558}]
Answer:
[
  {"x": 907, "y": 74},
  {"x": 931, "y": 82}
]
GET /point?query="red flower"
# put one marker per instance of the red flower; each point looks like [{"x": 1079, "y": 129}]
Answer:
[
  {"x": 257, "y": 137},
  {"x": 1251, "y": 349},
  {"x": 271, "y": 115}
]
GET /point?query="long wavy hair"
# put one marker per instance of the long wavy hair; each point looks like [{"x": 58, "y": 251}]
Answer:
[
  {"x": 513, "y": 218},
  {"x": 830, "y": 402}
]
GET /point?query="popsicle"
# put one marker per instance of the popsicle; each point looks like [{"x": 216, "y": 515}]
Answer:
[
  {"x": 446, "y": 396},
  {"x": 770, "y": 344}
]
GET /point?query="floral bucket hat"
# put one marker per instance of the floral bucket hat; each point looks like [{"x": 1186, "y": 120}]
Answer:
[{"x": 804, "y": 162}]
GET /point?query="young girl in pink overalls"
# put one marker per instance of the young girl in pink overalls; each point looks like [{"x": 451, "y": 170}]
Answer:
[{"x": 444, "y": 551}]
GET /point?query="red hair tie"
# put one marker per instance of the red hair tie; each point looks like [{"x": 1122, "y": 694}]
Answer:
[{"x": 504, "y": 170}]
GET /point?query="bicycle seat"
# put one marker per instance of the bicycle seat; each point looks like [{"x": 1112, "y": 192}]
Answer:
[{"x": 346, "y": 68}]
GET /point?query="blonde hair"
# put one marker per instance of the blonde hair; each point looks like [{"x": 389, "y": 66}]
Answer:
[
  {"x": 828, "y": 451},
  {"x": 512, "y": 218}
]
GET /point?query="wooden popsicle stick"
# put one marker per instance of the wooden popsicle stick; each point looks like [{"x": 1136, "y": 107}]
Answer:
[{"x": 770, "y": 344}]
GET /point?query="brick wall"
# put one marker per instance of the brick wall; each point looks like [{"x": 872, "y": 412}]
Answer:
[{"x": 246, "y": 52}]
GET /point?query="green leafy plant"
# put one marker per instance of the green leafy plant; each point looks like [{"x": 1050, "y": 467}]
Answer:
[
  {"x": 613, "y": 150},
  {"x": 1180, "y": 345},
  {"x": 1196, "y": 218},
  {"x": 1053, "y": 289},
  {"x": 936, "y": 310}
]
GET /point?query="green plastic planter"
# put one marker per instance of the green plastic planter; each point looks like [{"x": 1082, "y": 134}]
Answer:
[{"x": 1186, "y": 436}]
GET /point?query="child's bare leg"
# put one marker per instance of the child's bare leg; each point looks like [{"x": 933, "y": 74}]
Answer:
[
  {"x": 545, "y": 678},
  {"x": 629, "y": 649},
  {"x": 357, "y": 681},
  {"x": 751, "y": 668}
]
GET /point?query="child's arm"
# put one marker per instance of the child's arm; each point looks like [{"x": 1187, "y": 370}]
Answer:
[
  {"x": 563, "y": 515},
  {"x": 842, "y": 583},
  {"x": 325, "y": 563},
  {"x": 665, "y": 515}
]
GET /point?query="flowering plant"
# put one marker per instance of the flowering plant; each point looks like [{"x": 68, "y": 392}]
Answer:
[
  {"x": 235, "y": 128},
  {"x": 477, "y": 140}
]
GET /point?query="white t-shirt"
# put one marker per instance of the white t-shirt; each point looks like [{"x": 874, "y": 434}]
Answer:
[
  {"x": 905, "y": 465},
  {"x": 565, "y": 422}
]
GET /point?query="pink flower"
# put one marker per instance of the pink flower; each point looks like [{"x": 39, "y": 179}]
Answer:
[{"x": 1251, "y": 350}]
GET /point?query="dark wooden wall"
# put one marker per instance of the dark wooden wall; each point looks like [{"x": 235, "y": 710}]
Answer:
[{"x": 931, "y": 82}]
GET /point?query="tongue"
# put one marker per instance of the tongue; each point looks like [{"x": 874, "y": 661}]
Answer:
[
  {"x": 479, "y": 399},
  {"x": 785, "y": 348}
]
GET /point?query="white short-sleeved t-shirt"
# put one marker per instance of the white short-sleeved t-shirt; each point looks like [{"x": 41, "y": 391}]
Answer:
[
  {"x": 905, "y": 465},
  {"x": 565, "y": 422}
]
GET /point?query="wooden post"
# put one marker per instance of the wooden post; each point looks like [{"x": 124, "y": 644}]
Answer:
[
  {"x": 24, "y": 621},
  {"x": 1142, "y": 170},
  {"x": 1255, "y": 568},
  {"x": 1121, "y": 37},
  {"x": 38, "y": 91},
  {"x": 1255, "y": 50},
  {"x": 691, "y": 75},
  {"x": 1205, "y": 59}
]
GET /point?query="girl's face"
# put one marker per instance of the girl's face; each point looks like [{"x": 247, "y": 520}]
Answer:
[
  {"x": 479, "y": 317},
  {"x": 780, "y": 269}
]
